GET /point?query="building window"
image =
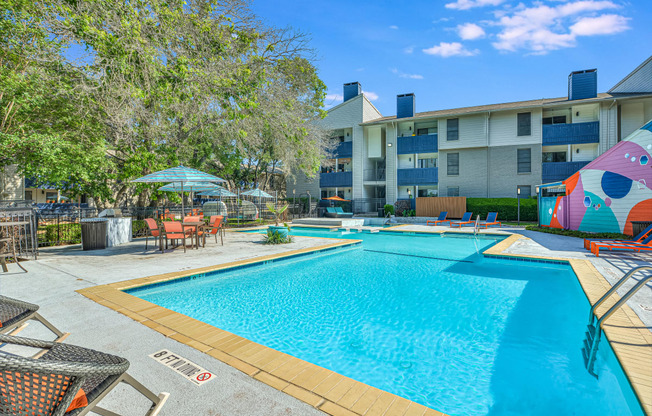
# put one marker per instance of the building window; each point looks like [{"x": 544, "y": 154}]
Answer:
[
  {"x": 554, "y": 120},
  {"x": 524, "y": 160},
  {"x": 28, "y": 195},
  {"x": 452, "y": 129},
  {"x": 526, "y": 191},
  {"x": 554, "y": 156},
  {"x": 426, "y": 130},
  {"x": 453, "y": 191},
  {"x": 524, "y": 122},
  {"x": 428, "y": 163},
  {"x": 324, "y": 194},
  {"x": 453, "y": 164}
]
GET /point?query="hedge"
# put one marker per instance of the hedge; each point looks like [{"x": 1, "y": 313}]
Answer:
[
  {"x": 507, "y": 208},
  {"x": 578, "y": 234}
]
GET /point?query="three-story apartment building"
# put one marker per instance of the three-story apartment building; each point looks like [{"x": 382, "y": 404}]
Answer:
[{"x": 480, "y": 151}]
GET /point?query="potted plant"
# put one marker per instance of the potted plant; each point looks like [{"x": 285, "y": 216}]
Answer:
[{"x": 278, "y": 212}]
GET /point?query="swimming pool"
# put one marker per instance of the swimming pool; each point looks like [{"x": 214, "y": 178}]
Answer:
[{"x": 425, "y": 317}]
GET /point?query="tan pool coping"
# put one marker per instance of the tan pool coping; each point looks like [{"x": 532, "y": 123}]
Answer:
[{"x": 336, "y": 394}]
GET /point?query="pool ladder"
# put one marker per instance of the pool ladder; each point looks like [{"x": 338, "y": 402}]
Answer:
[{"x": 594, "y": 331}]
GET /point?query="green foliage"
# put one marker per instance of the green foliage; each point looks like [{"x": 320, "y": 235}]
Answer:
[
  {"x": 506, "y": 208},
  {"x": 276, "y": 238},
  {"x": 409, "y": 213},
  {"x": 278, "y": 212},
  {"x": 63, "y": 234},
  {"x": 578, "y": 234},
  {"x": 389, "y": 209},
  {"x": 138, "y": 228}
]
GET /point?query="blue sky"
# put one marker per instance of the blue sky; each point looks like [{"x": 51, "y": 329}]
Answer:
[{"x": 455, "y": 53}]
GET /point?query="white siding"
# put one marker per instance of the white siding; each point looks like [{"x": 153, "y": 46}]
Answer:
[
  {"x": 405, "y": 161},
  {"x": 471, "y": 133},
  {"x": 608, "y": 126},
  {"x": 503, "y": 128},
  {"x": 390, "y": 164},
  {"x": 374, "y": 142},
  {"x": 632, "y": 117},
  {"x": 640, "y": 80},
  {"x": 11, "y": 183},
  {"x": 587, "y": 152},
  {"x": 584, "y": 113}
]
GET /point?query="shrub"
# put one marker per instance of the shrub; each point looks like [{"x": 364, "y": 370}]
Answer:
[
  {"x": 389, "y": 209},
  {"x": 276, "y": 238},
  {"x": 138, "y": 228},
  {"x": 63, "y": 234},
  {"x": 578, "y": 234},
  {"x": 401, "y": 206},
  {"x": 507, "y": 208},
  {"x": 409, "y": 213}
]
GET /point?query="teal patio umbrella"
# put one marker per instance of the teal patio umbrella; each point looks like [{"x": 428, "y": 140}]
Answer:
[
  {"x": 188, "y": 186},
  {"x": 257, "y": 193},
  {"x": 220, "y": 191},
  {"x": 180, "y": 175}
]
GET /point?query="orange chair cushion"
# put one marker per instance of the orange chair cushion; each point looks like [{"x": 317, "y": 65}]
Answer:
[
  {"x": 8, "y": 388},
  {"x": 176, "y": 235}
]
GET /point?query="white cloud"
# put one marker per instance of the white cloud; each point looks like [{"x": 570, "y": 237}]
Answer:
[
  {"x": 601, "y": 25},
  {"x": 404, "y": 75},
  {"x": 334, "y": 97},
  {"x": 372, "y": 96},
  {"x": 543, "y": 28},
  {"x": 446, "y": 50},
  {"x": 470, "y": 31},
  {"x": 470, "y": 4},
  {"x": 393, "y": 27},
  {"x": 408, "y": 50}
]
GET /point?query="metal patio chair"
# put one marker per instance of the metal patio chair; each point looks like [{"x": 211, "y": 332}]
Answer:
[
  {"x": 15, "y": 313},
  {"x": 66, "y": 380}
]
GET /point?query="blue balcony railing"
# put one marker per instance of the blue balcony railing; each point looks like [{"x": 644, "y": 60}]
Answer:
[
  {"x": 336, "y": 180},
  {"x": 558, "y": 171},
  {"x": 417, "y": 176},
  {"x": 343, "y": 149},
  {"x": 575, "y": 133},
  {"x": 426, "y": 143}
]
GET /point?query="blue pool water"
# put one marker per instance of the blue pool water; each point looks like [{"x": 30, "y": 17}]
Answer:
[{"x": 425, "y": 317}]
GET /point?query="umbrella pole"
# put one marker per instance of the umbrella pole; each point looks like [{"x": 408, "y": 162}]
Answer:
[{"x": 183, "y": 209}]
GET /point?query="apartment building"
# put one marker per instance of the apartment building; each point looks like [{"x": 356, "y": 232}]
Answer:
[{"x": 481, "y": 151}]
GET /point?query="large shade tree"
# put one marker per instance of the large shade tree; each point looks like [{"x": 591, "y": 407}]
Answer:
[{"x": 197, "y": 82}]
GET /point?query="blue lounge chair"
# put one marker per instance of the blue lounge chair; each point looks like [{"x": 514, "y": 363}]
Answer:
[
  {"x": 441, "y": 219},
  {"x": 466, "y": 220},
  {"x": 491, "y": 220},
  {"x": 341, "y": 214}
]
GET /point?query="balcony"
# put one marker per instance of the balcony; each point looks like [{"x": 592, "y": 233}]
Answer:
[
  {"x": 342, "y": 150},
  {"x": 336, "y": 180},
  {"x": 575, "y": 133},
  {"x": 426, "y": 143},
  {"x": 559, "y": 171},
  {"x": 417, "y": 176}
]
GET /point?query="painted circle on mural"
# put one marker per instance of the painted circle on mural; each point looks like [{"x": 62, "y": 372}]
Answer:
[
  {"x": 549, "y": 210},
  {"x": 644, "y": 159},
  {"x": 615, "y": 185},
  {"x": 626, "y": 155},
  {"x": 607, "y": 202},
  {"x": 587, "y": 201},
  {"x": 633, "y": 159}
]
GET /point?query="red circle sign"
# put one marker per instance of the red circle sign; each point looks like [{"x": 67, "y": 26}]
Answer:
[{"x": 203, "y": 376}]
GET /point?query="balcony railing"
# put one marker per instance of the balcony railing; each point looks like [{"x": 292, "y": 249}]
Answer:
[
  {"x": 336, "y": 180},
  {"x": 417, "y": 176},
  {"x": 426, "y": 143},
  {"x": 342, "y": 150},
  {"x": 558, "y": 171},
  {"x": 575, "y": 133},
  {"x": 374, "y": 175}
]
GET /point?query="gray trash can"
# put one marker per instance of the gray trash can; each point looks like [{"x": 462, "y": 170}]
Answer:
[{"x": 93, "y": 233}]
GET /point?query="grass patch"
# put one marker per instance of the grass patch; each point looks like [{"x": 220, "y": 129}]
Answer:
[{"x": 578, "y": 234}]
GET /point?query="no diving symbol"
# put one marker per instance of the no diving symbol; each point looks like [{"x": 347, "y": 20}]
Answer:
[{"x": 204, "y": 377}]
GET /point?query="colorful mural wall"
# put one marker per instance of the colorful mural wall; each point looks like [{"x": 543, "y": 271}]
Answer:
[{"x": 608, "y": 193}]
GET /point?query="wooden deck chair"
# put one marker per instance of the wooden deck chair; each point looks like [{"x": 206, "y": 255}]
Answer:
[
  {"x": 466, "y": 219},
  {"x": 441, "y": 219},
  {"x": 66, "y": 380},
  {"x": 15, "y": 314}
]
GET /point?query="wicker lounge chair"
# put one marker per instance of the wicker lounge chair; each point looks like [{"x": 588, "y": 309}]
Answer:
[
  {"x": 466, "y": 220},
  {"x": 66, "y": 380},
  {"x": 15, "y": 313},
  {"x": 588, "y": 243},
  {"x": 441, "y": 219},
  {"x": 491, "y": 220}
]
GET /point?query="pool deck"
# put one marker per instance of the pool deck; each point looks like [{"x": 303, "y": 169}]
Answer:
[{"x": 252, "y": 379}]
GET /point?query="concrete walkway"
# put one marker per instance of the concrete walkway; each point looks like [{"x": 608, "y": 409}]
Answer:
[{"x": 53, "y": 279}]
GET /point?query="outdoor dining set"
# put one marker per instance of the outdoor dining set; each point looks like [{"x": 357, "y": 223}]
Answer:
[{"x": 193, "y": 227}]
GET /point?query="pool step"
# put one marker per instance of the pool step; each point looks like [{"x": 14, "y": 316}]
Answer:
[{"x": 590, "y": 348}]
